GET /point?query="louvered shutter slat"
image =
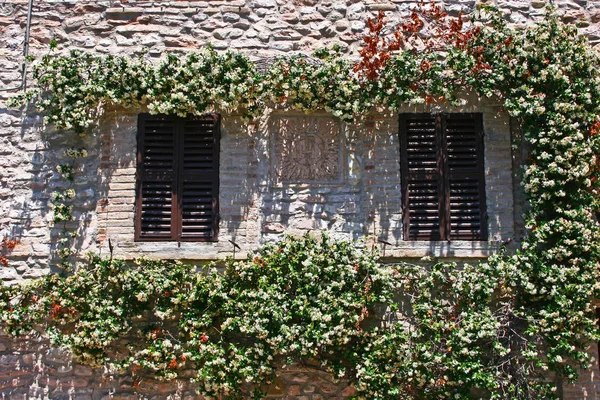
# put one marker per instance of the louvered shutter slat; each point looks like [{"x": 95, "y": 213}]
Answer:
[
  {"x": 442, "y": 177},
  {"x": 466, "y": 177},
  {"x": 423, "y": 209},
  {"x": 197, "y": 209},
  {"x": 156, "y": 169},
  {"x": 200, "y": 180},
  {"x": 420, "y": 182},
  {"x": 178, "y": 182}
]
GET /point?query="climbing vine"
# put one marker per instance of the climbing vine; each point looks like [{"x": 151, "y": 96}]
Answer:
[
  {"x": 300, "y": 298},
  {"x": 62, "y": 209},
  {"x": 491, "y": 329}
]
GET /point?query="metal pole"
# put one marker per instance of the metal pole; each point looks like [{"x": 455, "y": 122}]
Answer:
[{"x": 25, "y": 52}]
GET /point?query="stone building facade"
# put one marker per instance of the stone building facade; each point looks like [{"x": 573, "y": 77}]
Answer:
[{"x": 338, "y": 177}]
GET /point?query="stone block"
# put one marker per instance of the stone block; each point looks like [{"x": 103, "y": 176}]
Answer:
[
  {"x": 8, "y": 274},
  {"x": 56, "y": 357},
  {"x": 382, "y": 7},
  {"x": 348, "y": 391},
  {"x": 283, "y": 46},
  {"x": 358, "y": 26},
  {"x": 9, "y": 362},
  {"x": 212, "y": 24},
  {"x": 263, "y": 4},
  {"x": 355, "y": 11},
  {"x": 294, "y": 390},
  {"x": 290, "y": 18},
  {"x": 16, "y": 382},
  {"x": 276, "y": 389},
  {"x": 144, "y": 29},
  {"x": 123, "y": 13},
  {"x": 230, "y": 17},
  {"x": 273, "y": 228},
  {"x": 73, "y": 23},
  {"x": 235, "y": 10},
  {"x": 306, "y": 18},
  {"x": 244, "y": 25},
  {"x": 288, "y": 34}
]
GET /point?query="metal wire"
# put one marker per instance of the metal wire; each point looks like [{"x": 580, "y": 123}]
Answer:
[{"x": 23, "y": 84}]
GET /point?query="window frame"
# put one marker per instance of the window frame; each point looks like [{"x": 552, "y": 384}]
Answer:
[
  {"x": 178, "y": 176},
  {"x": 442, "y": 174}
]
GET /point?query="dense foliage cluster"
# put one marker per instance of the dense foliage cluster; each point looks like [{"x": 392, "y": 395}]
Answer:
[
  {"x": 300, "y": 298},
  {"x": 483, "y": 330}
]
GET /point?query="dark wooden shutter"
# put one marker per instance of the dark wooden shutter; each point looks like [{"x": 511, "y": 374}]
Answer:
[
  {"x": 199, "y": 178},
  {"x": 178, "y": 178},
  {"x": 155, "y": 202},
  {"x": 421, "y": 186},
  {"x": 442, "y": 172},
  {"x": 466, "y": 203}
]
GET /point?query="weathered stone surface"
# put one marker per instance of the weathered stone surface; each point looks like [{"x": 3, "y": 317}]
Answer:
[
  {"x": 73, "y": 23},
  {"x": 287, "y": 34},
  {"x": 9, "y": 361},
  {"x": 137, "y": 28},
  {"x": 236, "y": 10},
  {"x": 124, "y": 13},
  {"x": 277, "y": 388},
  {"x": 355, "y": 11},
  {"x": 382, "y": 7},
  {"x": 231, "y": 17},
  {"x": 8, "y": 274},
  {"x": 263, "y": 4},
  {"x": 253, "y": 209},
  {"x": 57, "y": 357}
]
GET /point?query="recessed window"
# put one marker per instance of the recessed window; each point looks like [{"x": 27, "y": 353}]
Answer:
[
  {"x": 442, "y": 172},
  {"x": 177, "y": 178}
]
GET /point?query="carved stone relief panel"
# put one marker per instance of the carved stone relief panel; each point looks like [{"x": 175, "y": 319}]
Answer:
[{"x": 306, "y": 150}]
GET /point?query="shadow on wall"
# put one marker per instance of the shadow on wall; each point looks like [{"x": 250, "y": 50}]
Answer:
[
  {"x": 31, "y": 176},
  {"x": 116, "y": 185},
  {"x": 287, "y": 173},
  {"x": 78, "y": 232},
  {"x": 240, "y": 174},
  {"x": 324, "y": 175},
  {"x": 116, "y": 178},
  {"x": 382, "y": 178}
]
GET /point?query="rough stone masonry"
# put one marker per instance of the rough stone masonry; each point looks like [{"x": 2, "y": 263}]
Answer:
[{"x": 261, "y": 196}]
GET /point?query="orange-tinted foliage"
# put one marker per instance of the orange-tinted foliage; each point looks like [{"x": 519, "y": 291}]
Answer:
[
  {"x": 6, "y": 246},
  {"x": 428, "y": 29}
]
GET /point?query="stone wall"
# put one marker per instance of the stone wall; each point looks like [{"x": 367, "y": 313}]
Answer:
[
  {"x": 29, "y": 368},
  {"x": 255, "y": 203},
  {"x": 363, "y": 198},
  {"x": 253, "y": 209},
  {"x": 256, "y": 212}
]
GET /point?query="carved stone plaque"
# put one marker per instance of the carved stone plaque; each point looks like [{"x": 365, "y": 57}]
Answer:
[{"x": 307, "y": 150}]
